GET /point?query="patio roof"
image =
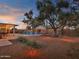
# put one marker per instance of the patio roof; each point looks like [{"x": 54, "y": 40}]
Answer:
[{"x": 8, "y": 24}]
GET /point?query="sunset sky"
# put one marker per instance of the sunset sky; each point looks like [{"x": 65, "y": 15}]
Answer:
[{"x": 12, "y": 11}]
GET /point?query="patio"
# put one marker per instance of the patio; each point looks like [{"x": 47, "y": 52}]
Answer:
[{"x": 5, "y": 43}]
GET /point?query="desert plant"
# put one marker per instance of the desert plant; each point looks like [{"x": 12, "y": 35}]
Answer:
[
  {"x": 29, "y": 43},
  {"x": 21, "y": 39}
]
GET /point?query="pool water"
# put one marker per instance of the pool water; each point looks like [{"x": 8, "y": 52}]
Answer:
[{"x": 31, "y": 33}]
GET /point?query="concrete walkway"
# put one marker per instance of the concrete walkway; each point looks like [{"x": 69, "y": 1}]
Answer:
[{"x": 5, "y": 43}]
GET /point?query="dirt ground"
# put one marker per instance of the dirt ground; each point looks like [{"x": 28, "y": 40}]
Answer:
[{"x": 53, "y": 48}]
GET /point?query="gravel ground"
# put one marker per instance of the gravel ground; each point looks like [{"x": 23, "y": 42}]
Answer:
[{"x": 53, "y": 48}]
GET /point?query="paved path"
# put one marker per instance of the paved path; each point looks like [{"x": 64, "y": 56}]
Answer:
[{"x": 5, "y": 43}]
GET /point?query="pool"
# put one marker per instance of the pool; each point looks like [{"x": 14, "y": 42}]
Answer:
[{"x": 31, "y": 33}]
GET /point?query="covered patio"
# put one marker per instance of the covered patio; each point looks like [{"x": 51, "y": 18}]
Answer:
[{"x": 5, "y": 28}]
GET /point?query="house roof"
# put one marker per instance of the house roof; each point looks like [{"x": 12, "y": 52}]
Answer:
[{"x": 8, "y": 24}]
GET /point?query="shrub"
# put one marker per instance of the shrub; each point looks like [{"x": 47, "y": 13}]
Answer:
[{"x": 28, "y": 42}]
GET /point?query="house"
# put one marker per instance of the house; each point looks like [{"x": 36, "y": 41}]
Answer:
[{"x": 5, "y": 28}]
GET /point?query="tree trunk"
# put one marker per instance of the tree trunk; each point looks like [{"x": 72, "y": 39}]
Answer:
[
  {"x": 55, "y": 33},
  {"x": 62, "y": 31}
]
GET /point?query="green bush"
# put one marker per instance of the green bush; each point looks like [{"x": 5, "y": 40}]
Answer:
[
  {"x": 28, "y": 42},
  {"x": 21, "y": 39}
]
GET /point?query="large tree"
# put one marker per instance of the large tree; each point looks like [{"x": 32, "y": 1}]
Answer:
[
  {"x": 54, "y": 14},
  {"x": 47, "y": 12},
  {"x": 57, "y": 18}
]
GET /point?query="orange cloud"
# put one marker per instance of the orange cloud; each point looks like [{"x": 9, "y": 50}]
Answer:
[
  {"x": 9, "y": 18},
  {"x": 10, "y": 14},
  {"x": 6, "y": 9}
]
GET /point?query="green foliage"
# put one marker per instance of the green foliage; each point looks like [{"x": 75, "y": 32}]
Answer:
[
  {"x": 54, "y": 14},
  {"x": 63, "y": 3},
  {"x": 45, "y": 8},
  {"x": 29, "y": 14},
  {"x": 21, "y": 39},
  {"x": 28, "y": 42}
]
